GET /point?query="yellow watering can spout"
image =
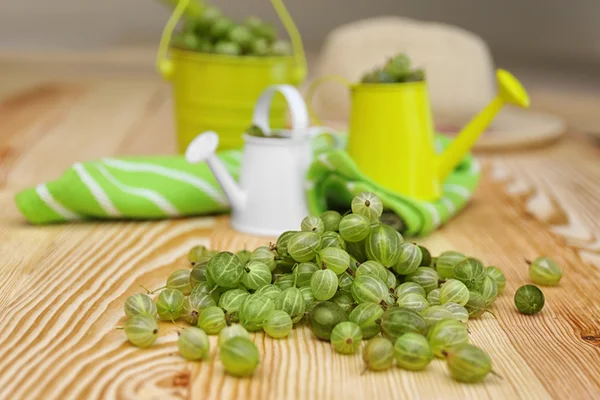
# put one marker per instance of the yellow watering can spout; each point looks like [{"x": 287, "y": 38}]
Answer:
[{"x": 510, "y": 91}]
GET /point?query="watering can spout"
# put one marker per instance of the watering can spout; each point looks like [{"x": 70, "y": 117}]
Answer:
[
  {"x": 510, "y": 91},
  {"x": 203, "y": 148}
]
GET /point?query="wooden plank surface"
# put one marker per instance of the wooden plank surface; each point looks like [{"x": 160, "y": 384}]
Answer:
[{"x": 63, "y": 287}]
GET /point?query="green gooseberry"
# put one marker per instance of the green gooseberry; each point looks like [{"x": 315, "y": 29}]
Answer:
[
  {"x": 334, "y": 259},
  {"x": 232, "y": 300},
  {"x": 282, "y": 243},
  {"x": 409, "y": 260},
  {"x": 476, "y": 305},
  {"x": 324, "y": 284},
  {"x": 433, "y": 297},
  {"x": 391, "y": 279},
  {"x": 198, "y": 273},
  {"x": 264, "y": 255},
  {"x": 180, "y": 280},
  {"x": 281, "y": 48},
  {"x": 193, "y": 304},
  {"x": 459, "y": 312},
  {"x": 232, "y": 331},
  {"x": 489, "y": 290},
  {"x": 331, "y": 220},
  {"x": 368, "y": 289},
  {"x": 286, "y": 281},
  {"x": 410, "y": 287},
  {"x": 220, "y": 28},
  {"x": 545, "y": 271},
  {"x": 239, "y": 356},
  {"x": 240, "y": 35},
  {"x": 253, "y": 22},
  {"x": 278, "y": 325},
  {"x": 212, "y": 320},
  {"x": 205, "y": 287},
  {"x": 497, "y": 274},
  {"x": 270, "y": 291},
  {"x": 333, "y": 239},
  {"x": 228, "y": 48},
  {"x": 140, "y": 304},
  {"x": 345, "y": 281},
  {"x": 345, "y": 301},
  {"x": 468, "y": 363},
  {"x": 259, "y": 47},
  {"x": 446, "y": 262},
  {"x": 529, "y": 299},
  {"x": 397, "y": 321},
  {"x": 412, "y": 351},
  {"x": 383, "y": 245},
  {"x": 435, "y": 314},
  {"x": 346, "y": 337},
  {"x": 198, "y": 253},
  {"x": 313, "y": 224},
  {"x": 308, "y": 296},
  {"x": 412, "y": 301},
  {"x": 398, "y": 67},
  {"x": 292, "y": 302},
  {"x": 470, "y": 272},
  {"x": 244, "y": 255},
  {"x": 304, "y": 246},
  {"x": 354, "y": 228},
  {"x": 266, "y": 31},
  {"x": 254, "y": 310},
  {"x": 357, "y": 250},
  {"x": 378, "y": 354},
  {"x": 425, "y": 277},
  {"x": 446, "y": 334},
  {"x": 193, "y": 344},
  {"x": 454, "y": 291},
  {"x": 373, "y": 268},
  {"x": 226, "y": 269},
  {"x": 368, "y": 205},
  {"x": 256, "y": 274},
  {"x": 426, "y": 260},
  {"x": 324, "y": 317},
  {"x": 366, "y": 315},
  {"x": 141, "y": 330},
  {"x": 170, "y": 304},
  {"x": 303, "y": 272}
]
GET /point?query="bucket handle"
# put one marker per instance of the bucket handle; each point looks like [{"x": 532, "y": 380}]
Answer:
[
  {"x": 315, "y": 85},
  {"x": 164, "y": 65},
  {"x": 296, "y": 106}
]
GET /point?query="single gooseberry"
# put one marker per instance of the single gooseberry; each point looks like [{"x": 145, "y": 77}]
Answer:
[{"x": 346, "y": 337}]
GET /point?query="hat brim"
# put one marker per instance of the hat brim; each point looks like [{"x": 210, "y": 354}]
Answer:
[{"x": 515, "y": 128}]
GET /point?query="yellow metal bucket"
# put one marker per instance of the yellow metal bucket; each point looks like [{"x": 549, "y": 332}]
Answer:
[{"x": 218, "y": 92}]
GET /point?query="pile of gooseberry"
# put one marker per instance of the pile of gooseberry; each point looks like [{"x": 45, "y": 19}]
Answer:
[
  {"x": 350, "y": 278},
  {"x": 397, "y": 69},
  {"x": 211, "y": 32}
]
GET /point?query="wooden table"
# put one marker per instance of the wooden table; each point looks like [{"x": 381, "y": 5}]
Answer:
[{"x": 63, "y": 287}]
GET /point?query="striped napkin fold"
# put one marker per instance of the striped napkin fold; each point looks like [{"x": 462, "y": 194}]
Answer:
[{"x": 145, "y": 188}]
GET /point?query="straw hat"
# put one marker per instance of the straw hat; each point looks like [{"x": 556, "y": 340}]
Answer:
[{"x": 459, "y": 70}]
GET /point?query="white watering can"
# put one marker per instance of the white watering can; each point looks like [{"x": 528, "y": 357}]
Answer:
[{"x": 270, "y": 196}]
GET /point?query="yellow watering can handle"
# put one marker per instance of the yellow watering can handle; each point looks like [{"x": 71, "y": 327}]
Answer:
[
  {"x": 295, "y": 38},
  {"x": 165, "y": 66},
  {"x": 314, "y": 86}
]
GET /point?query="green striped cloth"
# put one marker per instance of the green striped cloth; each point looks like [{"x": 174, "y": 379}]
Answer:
[{"x": 141, "y": 188}]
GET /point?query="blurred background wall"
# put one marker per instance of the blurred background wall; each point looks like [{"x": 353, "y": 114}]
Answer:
[{"x": 542, "y": 29}]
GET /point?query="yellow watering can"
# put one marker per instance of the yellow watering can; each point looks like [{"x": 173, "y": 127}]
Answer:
[
  {"x": 391, "y": 133},
  {"x": 214, "y": 92}
]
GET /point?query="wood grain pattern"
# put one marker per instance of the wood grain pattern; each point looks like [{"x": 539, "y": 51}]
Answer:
[{"x": 63, "y": 287}]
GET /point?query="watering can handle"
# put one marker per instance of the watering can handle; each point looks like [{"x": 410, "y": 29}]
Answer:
[
  {"x": 165, "y": 66},
  {"x": 313, "y": 88},
  {"x": 295, "y": 103}
]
